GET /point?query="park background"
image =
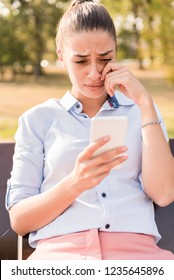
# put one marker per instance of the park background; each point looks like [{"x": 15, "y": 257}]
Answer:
[{"x": 31, "y": 74}]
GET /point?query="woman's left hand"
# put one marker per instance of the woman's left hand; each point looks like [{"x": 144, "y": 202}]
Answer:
[{"x": 116, "y": 75}]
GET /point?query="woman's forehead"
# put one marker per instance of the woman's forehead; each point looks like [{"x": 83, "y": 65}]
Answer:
[
  {"x": 99, "y": 53},
  {"x": 83, "y": 42}
]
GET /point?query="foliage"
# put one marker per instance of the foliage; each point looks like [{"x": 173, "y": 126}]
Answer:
[
  {"x": 32, "y": 27},
  {"x": 11, "y": 47},
  {"x": 144, "y": 27}
]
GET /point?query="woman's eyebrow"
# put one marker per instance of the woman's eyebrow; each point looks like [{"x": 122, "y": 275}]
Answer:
[
  {"x": 105, "y": 53},
  {"x": 81, "y": 55},
  {"x": 100, "y": 54}
]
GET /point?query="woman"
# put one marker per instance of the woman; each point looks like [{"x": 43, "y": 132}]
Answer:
[{"x": 74, "y": 205}]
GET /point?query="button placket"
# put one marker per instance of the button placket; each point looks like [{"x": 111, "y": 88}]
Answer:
[
  {"x": 106, "y": 202},
  {"x": 104, "y": 195},
  {"x": 107, "y": 226}
]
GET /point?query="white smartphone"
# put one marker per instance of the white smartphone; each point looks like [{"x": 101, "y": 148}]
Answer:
[{"x": 116, "y": 127}]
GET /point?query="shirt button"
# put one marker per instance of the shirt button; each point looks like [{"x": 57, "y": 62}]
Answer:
[
  {"x": 103, "y": 194},
  {"x": 78, "y": 106},
  {"x": 107, "y": 226}
]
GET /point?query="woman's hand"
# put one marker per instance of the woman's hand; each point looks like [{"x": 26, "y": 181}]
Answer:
[
  {"x": 116, "y": 75},
  {"x": 89, "y": 170}
]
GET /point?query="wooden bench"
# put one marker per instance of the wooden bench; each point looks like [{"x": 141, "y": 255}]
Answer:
[{"x": 13, "y": 247}]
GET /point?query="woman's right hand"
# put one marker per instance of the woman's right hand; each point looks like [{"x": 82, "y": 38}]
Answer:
[
  {"x": 90, "y": 170},
  {"x": 34, "y": 212}
]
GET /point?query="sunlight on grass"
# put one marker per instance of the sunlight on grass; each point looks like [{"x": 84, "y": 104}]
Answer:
[
  {"x": 7, "y": 130},
  {"x": 16, "y": 97}
]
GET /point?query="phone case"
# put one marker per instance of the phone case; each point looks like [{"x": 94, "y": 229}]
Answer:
[{"x": 116, "y": 127}]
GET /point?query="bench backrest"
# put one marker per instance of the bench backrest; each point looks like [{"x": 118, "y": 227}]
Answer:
[
  {"x": 8, "y": 239},
  {"x": 165, "y": 220}
]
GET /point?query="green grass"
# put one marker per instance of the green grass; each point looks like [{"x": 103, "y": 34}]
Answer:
[{"x": 17, "y": 96}]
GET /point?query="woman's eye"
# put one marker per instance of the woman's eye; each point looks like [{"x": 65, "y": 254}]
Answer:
[
  {"x": 101, "y": 60},
  {"x": 80, "y": 61},
  {"x": 106, "y": 59}
]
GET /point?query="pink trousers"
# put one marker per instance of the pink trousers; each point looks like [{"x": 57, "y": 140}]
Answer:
[{"x": 97, "y": 245}]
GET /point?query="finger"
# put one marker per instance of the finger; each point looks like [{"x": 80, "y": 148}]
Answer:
[
  {"x": 108, "y": 156},
  {"x": 96, "y": 165},
  {"x": 114, "y": 80},
  {"x": 118, "y": 71},
  {"x": 118, "y": 76},
  {"x": 109, "y": 68},
  {"x": 110, "y": 89},
  {"x": 108, "y": 165},
  {"x": 116, "y": 161},
  {"x": 93, "y": 147}
]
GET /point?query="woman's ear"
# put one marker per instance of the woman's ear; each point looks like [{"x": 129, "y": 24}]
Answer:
[{"x": 60, "y": 57}]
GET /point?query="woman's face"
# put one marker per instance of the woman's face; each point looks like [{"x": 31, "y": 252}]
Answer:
[{"x": 85, "y": 54}]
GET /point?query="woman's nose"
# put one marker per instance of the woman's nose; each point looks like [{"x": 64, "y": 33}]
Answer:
[{"x": 94, "y": 72}]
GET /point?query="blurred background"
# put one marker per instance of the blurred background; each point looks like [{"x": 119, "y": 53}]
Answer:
[{"x": 30, "y": 72}]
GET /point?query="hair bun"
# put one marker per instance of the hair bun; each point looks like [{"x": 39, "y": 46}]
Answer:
[{"x": 76, "y": 2}]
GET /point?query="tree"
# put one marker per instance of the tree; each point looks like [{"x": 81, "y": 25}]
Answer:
[
  {"x": 145, "y": 30},
  {"x": 12, "y": 48},
  {"x": 166, "y": 32},
  {"x": 129, "y": 37},
  {"x": 35, "y": 24},
  {"x": 144, "y": 27}
]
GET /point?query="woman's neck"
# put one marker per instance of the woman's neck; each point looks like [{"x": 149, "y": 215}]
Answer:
[{"x": 91, "y": 106}]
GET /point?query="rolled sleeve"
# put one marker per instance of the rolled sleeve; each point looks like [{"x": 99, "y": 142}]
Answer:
[{"x": 27, "y": 173}]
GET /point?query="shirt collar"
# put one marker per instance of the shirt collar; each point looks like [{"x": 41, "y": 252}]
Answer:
[
  {"x": 113, "y": 102},
  {"x": 119, "y": 99},
  {"x": 68, "y": 101},
  {"x": 123, "y": 100}
]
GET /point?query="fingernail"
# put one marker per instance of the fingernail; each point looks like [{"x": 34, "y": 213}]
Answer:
[
  {"x": 107, "y": 137},
  {"x": 125, "y": 156}
]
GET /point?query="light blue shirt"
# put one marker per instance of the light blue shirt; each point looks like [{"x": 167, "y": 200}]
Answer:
[{"x": 49, "y": 138}]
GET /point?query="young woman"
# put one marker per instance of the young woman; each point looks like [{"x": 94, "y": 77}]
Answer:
[{"x": 75, "y": 205}]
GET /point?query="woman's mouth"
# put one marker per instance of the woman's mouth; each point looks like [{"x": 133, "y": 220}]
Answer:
[{"x": 95, "y": 86}]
